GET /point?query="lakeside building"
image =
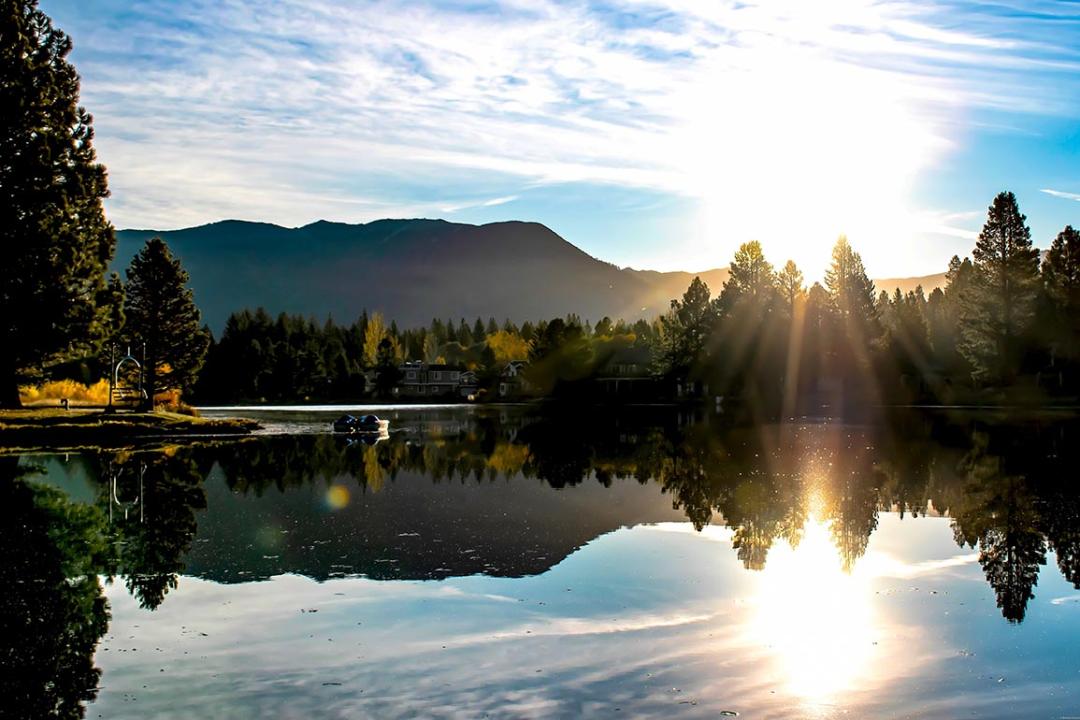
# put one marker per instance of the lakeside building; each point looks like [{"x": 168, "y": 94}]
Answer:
[
  {"x": 420, "y": 379},
  {"x": 626, "y": 374},
  {"x": 436, "y": 380},
  {"x": 512, "y": 382}
]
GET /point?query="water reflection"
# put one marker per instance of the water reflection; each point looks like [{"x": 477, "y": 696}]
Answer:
[
  {"x": 52, "y": 610},
  {"x": 1004, "y": 488},
  {"x": 512, "y": 494},
  {"x": 816, "y": 617}
]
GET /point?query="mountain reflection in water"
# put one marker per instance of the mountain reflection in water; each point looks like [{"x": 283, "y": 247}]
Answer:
[{"x": 458, "y": 493}]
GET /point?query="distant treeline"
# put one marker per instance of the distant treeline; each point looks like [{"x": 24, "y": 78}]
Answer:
[
  {"x": 1006, "y": 327},
  {"x": 290, "y": 358}
]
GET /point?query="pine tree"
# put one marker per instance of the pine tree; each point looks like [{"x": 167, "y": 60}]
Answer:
[
  {"x": 686, "y": 328},
  {"x": 55, "y": 242},
  {"x": 1061, "y": 278},
  {"x": 161, "y": 316},
  {"x": 998, "y": 307},
  {"x": 790, "y": 284},
  {"x": 849, "y": 287},
  {"x": 751, "y": 278},
  {"x": 387, "y": 372}
]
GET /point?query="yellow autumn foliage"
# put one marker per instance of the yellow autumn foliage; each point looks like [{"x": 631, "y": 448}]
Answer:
[
  {"x": 507, "y": 458},
  {"x": 77, "y": 393},
  {"x": 507, "y": 346}
]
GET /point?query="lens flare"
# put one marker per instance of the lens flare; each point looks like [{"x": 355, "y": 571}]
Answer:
[{"x": 337, "y": 497}]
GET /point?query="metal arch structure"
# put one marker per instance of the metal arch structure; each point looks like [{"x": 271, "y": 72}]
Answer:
[
  {"x": 122, "y": 392},
  {"x": 114, "y": 500}
]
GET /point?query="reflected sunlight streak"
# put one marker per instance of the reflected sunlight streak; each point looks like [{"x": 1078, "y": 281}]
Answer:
[{"x": 816, "y": 619}]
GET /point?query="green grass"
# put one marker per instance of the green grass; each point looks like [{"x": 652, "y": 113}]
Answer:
[{"x": 57, "y": 428}]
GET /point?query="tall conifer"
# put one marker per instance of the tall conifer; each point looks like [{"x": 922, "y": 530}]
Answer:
[
  {"x": 55, "y": 242},
  {"x": 1000, "y": 303}
]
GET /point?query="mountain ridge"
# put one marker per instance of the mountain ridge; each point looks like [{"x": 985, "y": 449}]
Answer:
[{"x": 411, "y": 270}]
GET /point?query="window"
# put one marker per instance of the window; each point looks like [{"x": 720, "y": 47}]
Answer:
[{"x": 411, "y": 375}]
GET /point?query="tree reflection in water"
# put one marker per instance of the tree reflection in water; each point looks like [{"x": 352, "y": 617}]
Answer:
[
  {"x": 816, "y": 617},
  {"x": 52, "y": 610},
  {"x": 801, "y": 500}
]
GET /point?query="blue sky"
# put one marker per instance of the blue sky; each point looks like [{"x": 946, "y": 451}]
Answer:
[{"x": 651, "y": 133}]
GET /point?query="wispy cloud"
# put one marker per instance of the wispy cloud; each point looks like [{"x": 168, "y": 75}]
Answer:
[
  {"x": 1062, "y": 194},
  {"x": 493, "y": 202},
  {"x": 298, "y": 109}
]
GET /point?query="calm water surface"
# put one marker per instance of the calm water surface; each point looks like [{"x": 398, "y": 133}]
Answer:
[{"x": 505, "y": 562}]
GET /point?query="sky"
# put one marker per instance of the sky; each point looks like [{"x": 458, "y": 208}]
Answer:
[{"x": 655, "y": 134}]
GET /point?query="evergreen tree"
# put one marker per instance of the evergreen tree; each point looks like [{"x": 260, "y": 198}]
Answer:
[
  {"x": 789, "y": 283},
  {"x": 161, "y": 317},
  {"x": 1061, "y": 269},
  {"x": 437, "y": 331},
  {"x": 55, "y": 242},
  {"x": 464, "y": 334},
  {"x": 857, "y": 335},
  {"x": 686, "y": 329},
  {"x": 943, "y": 315},
  {"x": 751, "y": 278},
  {"x": 998, "y": 307},
  {"x": 909, "y": 338},
  {"x": 850, "y": 288},
  {"x": 1061, "y": 278},
  {"x": 387, "y": 373}
]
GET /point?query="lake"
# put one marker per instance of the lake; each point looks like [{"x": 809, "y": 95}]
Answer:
[{"x": 519, "y": 562}]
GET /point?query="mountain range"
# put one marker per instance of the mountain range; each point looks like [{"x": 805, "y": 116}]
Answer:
[{"x": 413, "y": 271}]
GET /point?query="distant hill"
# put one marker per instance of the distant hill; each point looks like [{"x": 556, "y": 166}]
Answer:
[
  {"x": 415, "y": 270},
  {"x": 410, "y": 270}
]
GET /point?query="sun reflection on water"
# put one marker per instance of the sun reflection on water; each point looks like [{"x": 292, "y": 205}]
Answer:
[{"x": 816, "y": 619}]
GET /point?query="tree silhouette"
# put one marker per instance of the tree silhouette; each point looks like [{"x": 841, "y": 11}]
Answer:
[
  {"x": 155, "y": 540},
  {"x": 686, "y": 330},
  {"x": 1000, "y": 303},
  {"x": 851, "y": 296},
  {"x": 751, "y": 278},
  {"x": 52, "y": 610},
  {"x": 55, "y": 243},
  {"x": 790, "y": 285},
  {"x": 1061, "y": 278},
  {"x": 850, "y": 289},
  {"x": 161, "y": 316}
]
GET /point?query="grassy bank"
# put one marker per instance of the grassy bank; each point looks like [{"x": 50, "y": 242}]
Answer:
[{"x": 58, "y": 428}]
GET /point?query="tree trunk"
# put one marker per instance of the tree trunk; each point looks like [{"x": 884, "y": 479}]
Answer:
[{"x": 9, "y": 393}]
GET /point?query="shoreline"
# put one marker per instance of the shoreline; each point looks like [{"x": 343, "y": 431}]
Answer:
[{"x": 55, "y": 428}]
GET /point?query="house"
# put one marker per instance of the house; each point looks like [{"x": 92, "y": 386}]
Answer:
[
  {"x": 420, "y": 379},
  {"x": 634, "y": 361},
  {"x": 626, "y": 374},
  {"x": 468, "y": 385},
  {"x": 512, "y": 382}
]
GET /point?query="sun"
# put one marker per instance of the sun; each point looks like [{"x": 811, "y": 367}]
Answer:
[{"x": 793, "y": 148}]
